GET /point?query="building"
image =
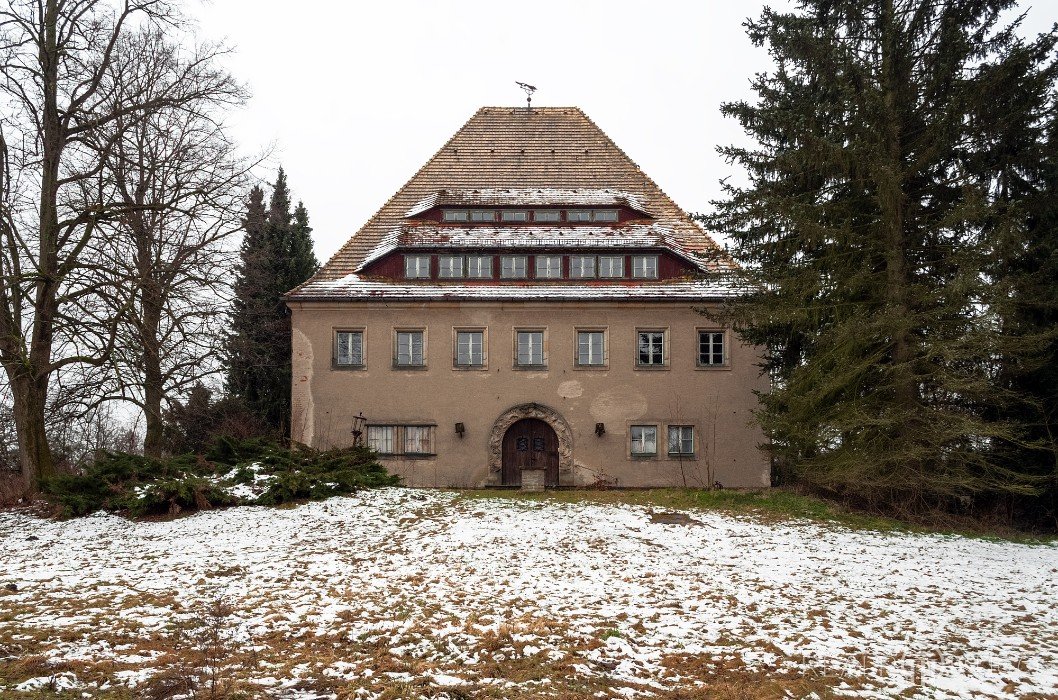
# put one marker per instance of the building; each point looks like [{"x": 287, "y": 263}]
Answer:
[{"x": 525, "y": 308}]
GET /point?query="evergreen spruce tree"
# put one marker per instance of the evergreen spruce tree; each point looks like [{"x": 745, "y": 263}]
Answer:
[
  {"x": 276, "y": 256},
  {"x": 864, "y": 234}
]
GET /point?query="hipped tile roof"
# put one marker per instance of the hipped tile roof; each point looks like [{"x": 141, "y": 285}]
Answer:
[{"x": 515, "y": 149}]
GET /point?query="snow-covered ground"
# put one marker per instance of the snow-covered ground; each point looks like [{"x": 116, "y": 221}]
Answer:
[{"x": 445, "y": 594}]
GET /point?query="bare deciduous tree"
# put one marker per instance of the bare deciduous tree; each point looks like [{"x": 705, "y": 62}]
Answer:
[{"x": 62, "y": 90}]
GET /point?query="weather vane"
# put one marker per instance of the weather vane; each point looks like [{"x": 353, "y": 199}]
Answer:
[{"x": 529, "y": 90}]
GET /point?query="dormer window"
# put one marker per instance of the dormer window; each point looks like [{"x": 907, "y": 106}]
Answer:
[
  {"x": 455, "y": 215},
  {"x": 581, "y": 266},
  {"x": 645, "y": 266},
  {"x": 547, "y": 215},
  {"x": 513, "y": 266},
  {"x": 611, "y": 266},
  {"x": 417, "y": 266},
  {"x": 511, "y": 215},
  {"x": 604, "y": 215},
  {"x": 482, "y": 215},
  {"x": 450, "y": 266},
  {"x": 578, "y": 215}
]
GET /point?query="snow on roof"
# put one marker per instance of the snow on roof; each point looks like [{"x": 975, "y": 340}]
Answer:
[
  {"x": 357, "y": 288},
  {"x": 529, "y": 197}
]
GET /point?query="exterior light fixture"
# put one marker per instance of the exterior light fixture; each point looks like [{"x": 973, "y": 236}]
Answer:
[
  {"x": 600, "y": 428},
  {"x": 460, "y": 429},
  {"x": 358, "y": 429}
]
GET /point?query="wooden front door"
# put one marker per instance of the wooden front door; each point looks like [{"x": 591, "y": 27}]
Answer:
[{"x": 530, "y": 443}]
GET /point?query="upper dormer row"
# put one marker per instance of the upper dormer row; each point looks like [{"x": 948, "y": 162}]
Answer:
[{"x": 536, "y": 216}]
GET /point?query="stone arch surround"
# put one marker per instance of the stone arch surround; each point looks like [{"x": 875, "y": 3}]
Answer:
[{"x": 532, "y": 410}]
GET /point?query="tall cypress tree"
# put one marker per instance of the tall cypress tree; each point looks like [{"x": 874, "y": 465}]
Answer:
[
  {"x": 276, "y": 256},
  {"x": 863, "y": 234}
]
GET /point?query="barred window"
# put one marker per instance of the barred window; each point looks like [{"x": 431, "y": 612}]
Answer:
[
  {"x": 418, "y": 439},
  {"x": 411, "y": 440},
  {"x": 349, "y": 348},
  {"x": 382, "y": 438}
]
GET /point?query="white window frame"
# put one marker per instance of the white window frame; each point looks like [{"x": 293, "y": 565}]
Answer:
[
  {"x": 474, "y": 268},
  {"x": 388, "y": 433},
  {"x": 397, "y": 349},
  {"x": 611, "y": 266},
  {"x": 542, "y": 347},
  {"x": 417, "y": 266},
  {"x": 578, "y": 215},
  {"x": 685, "y": 435},
  {"x": 604, "y": 215},
  {"x": 576, "y": 267},
  {"x": 482, "y": 216},
  {"x": 712, "y": 333},
  {"x": 458, "y": 215},
  {"x": 643, "y": 442},
  {"x": 514, "y": 215},
  {"x": 549, "y": 216},
  {"x": 482, "y": 348},
  {"x": 354, "y": 361},
  {"x": 420, "y": 437},
  {"x": 552, "y": 273},
  {"x": 448, "y": 271},
  {"x": 640, "y": 332},
  {"x": 591, "y": 359},
  {"x": 645, "y": 267},
  {"x": 513, "y": 273}
]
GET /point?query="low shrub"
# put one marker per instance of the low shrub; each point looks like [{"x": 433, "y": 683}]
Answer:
[{"x": 231, "y": 472}]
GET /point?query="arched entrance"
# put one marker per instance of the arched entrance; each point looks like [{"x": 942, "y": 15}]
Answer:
[
  {"x": 542, "y": 413},
  {"x": 529, "y": 443}
]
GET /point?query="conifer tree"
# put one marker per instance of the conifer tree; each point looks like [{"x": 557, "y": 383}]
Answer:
[
  {"x": 864, "y": 233},
  {"x": 276, "y": 256}
]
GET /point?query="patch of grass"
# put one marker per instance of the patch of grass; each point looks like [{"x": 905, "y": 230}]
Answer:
[{"x": 773, "y": 505}]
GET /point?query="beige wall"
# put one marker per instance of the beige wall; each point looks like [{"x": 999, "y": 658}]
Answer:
[{"x": 717, "y": 402}]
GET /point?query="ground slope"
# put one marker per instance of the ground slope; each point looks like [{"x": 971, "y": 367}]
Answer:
[{"x": 402, "y": 593}]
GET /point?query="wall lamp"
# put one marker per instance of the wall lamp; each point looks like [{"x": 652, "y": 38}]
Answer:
[
  {"x": 358, "y": 429},
  {"x": 460, "y": 429},
  {"x": 600, "y": 428}
]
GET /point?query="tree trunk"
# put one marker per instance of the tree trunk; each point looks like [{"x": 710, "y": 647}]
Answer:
[
  {"x": 34, "y": 453},
  {"x": 153, "y": 389}
]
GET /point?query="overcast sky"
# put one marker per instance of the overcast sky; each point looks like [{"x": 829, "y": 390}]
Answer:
[{"x": 356, "y": 96}]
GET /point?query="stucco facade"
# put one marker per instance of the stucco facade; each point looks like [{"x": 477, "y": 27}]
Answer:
[{"x": 716, "y": 401}]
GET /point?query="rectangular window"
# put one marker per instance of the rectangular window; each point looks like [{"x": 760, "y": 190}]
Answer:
[
  {"x": 710, "y": 348},
  {"x": 470, "y": 348},
  {"x": 651, "y": 348},
  {"x": 644, "y": 439},
  {"x": 645, "y": 266},
  {"x": 581, "y": 266},
  {"x": 604, "y": 215},
  {"x": 514, "y": 216},
  {"x": 382, "y": 438},
  {"x": 450, "y": 266},
  {"x": 417, "y": 266},
  {"x": 547, "y": 215},
  {"x": 591, "y": 348},
  {"x": 549, "y": 267},
  {"x": 349, "y": 348},
  {"x": 530, "y": 348},
  {"x": 482, "y": 215},
  {"x": 455, "y": 215},
  {"x": 578, "y": 215},
  {"x": 479, "y": 266},
  {"x": 611, "y": 266},
  {"x": 513, "y": 266},
  {"x": 409, "y": 349},
  {"x": 418, "y": 440},
  {"x": 681, "y": 440}
]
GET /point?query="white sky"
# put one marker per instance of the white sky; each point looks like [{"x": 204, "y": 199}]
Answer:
[{"x": 356, "y": 96}]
